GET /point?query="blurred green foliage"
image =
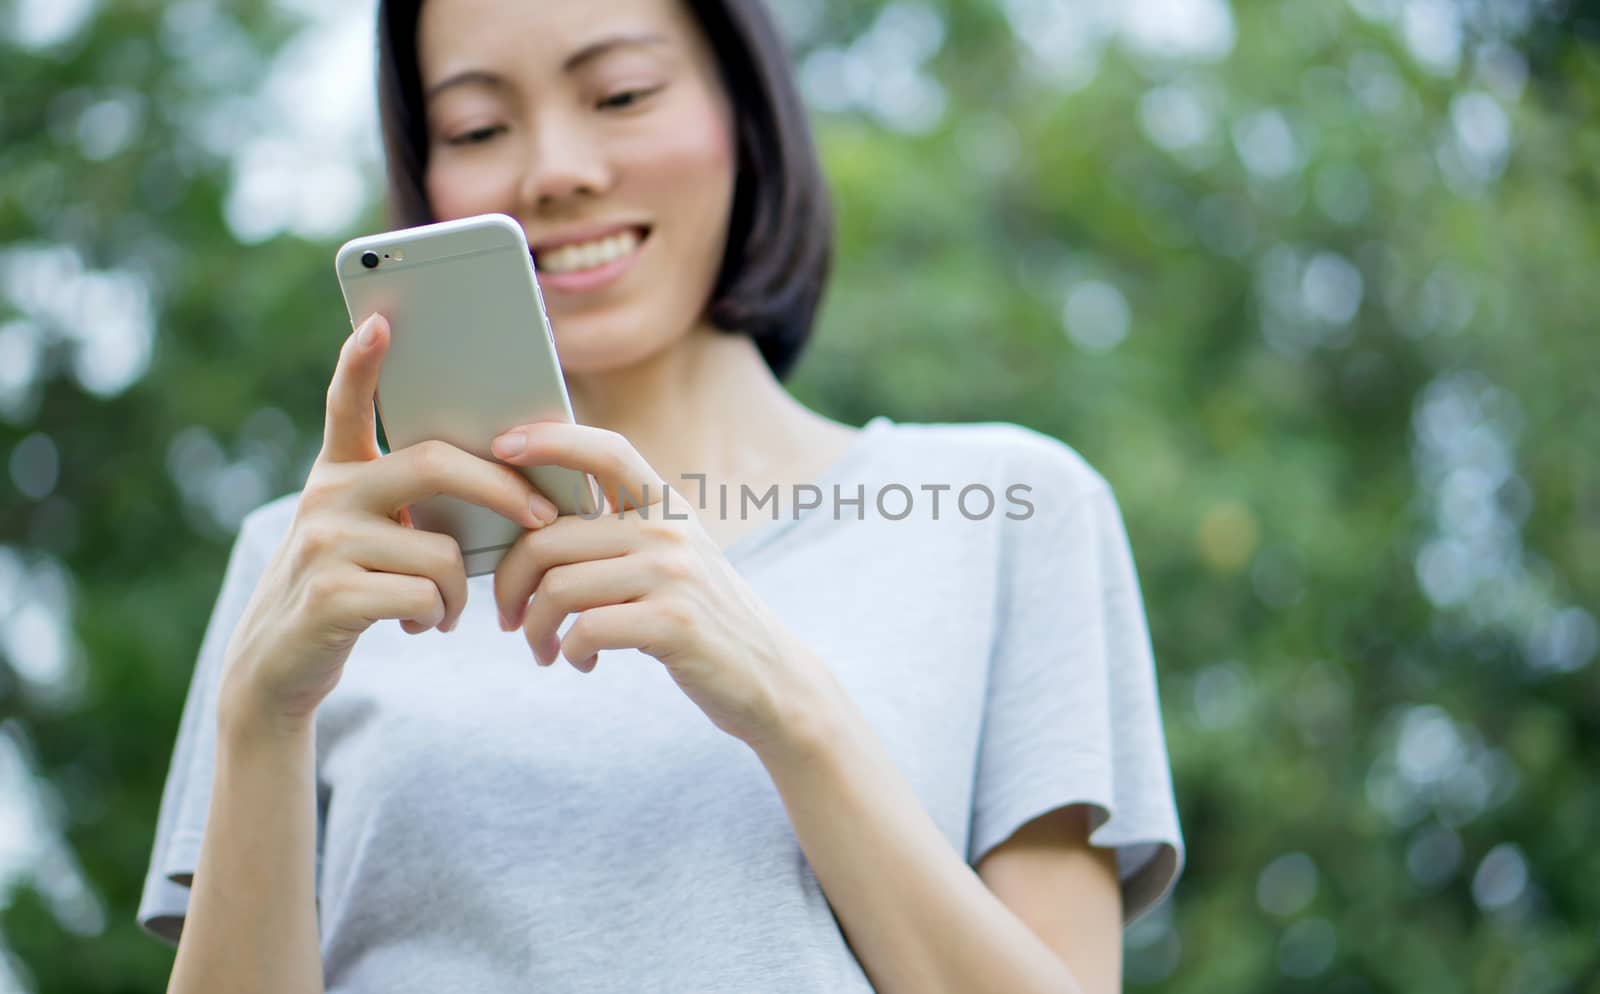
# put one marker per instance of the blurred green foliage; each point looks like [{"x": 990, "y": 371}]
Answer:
[{"x": 1311, "y": 282}]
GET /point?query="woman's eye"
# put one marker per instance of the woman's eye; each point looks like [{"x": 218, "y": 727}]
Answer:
[
  {"x": 476, "y": 136},
  {"x": 625, "y": 98}
]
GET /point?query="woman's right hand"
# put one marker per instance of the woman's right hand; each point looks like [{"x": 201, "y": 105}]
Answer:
[{"x": 351, "y": 556}]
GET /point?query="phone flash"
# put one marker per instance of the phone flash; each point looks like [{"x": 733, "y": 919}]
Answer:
[{"x": 399, "y": 255}]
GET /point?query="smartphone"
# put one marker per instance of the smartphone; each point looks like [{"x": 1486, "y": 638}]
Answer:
[{"x": 470, "y": 355}]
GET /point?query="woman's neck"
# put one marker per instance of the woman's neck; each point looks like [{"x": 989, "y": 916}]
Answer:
[{"x": 708, "y": 404}]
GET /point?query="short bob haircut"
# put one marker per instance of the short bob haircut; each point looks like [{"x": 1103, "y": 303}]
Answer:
[{"x": 780, "y": 230}]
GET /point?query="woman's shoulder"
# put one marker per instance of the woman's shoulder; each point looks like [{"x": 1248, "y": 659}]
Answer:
[{"x": 1012, "y": 452}]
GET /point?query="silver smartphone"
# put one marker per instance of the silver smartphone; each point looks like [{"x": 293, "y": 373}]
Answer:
[{"x": 470, "y": 355}]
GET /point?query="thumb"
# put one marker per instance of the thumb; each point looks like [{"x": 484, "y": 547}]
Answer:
[{"x": 350, "y": 433}]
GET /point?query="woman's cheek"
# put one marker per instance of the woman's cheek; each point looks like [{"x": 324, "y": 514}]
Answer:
[
  {"x": 691, "y": 146},
  {"x": 457, "y": 190},
  {"x": 441, "y": 193},
  {"x": 689, "y": 171}
]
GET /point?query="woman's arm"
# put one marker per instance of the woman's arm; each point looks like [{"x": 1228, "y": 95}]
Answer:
[
  {"x": 917, "y": 917},
  {"x": 1048, "y": 858},
  {"x": 252, "y": 919}
]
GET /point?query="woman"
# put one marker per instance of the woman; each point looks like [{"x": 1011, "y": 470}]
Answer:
[{"x": 842, "y": 743}]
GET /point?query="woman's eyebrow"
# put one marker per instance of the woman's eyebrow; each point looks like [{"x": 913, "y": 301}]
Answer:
[
  {"x": 477, "y": 77},
  {"x": 599, "y": 47},
  {"x": 588, "y": 53}
]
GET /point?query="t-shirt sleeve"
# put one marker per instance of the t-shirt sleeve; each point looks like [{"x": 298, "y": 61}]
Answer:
[
  {"x": 186, "y": 795},
  {"x": 1071, "y": 713}
]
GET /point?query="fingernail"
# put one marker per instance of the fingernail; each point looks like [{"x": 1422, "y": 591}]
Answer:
[
  {"x": 366, "y": 334},
  {"x": 543, "y": 511},
  {"x": 509, "y": 444}
]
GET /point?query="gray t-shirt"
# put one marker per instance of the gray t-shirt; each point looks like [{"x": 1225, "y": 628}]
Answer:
[{"x": 488, "y": 825}]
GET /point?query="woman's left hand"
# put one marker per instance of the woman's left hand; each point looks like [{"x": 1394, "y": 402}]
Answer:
[{"x": 649, "y": 578}]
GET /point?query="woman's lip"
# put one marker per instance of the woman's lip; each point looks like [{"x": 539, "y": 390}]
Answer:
[
  {"x": 584, "y": 280},
  {"x": 587, "y": 235}
]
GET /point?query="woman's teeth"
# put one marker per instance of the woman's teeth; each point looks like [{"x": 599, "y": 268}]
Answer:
[{"x": 587, "y": 255}]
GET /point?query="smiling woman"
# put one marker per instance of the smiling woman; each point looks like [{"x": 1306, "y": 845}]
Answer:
[
  {"x": 687, "y": 131},
  {"x": 901, "y": 753}
]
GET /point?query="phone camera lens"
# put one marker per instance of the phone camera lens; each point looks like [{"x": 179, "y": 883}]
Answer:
[{"x": 369, "y": 259}]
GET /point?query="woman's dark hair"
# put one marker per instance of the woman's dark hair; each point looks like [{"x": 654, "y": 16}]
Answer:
[{"x": 780, "y": 231}]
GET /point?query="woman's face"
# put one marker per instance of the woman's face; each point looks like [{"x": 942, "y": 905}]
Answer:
[{"x": 605, "y": 130}]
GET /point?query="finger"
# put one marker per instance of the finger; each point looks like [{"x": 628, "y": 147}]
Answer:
[
  {"x": 634, "y": 625},
  {"x": 350, "y": 431},
  {"x": 624, "y": 476},
  {"x": 433, "y": 467},
  {"x": 385, "y": 548},
  {"x": 377, "y": 596},
  {"x": 570, "y": 539},
  {"x": 575, "y": 588}
]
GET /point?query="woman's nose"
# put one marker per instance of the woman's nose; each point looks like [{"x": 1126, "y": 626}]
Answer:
[{"x": 562, "y": 162}]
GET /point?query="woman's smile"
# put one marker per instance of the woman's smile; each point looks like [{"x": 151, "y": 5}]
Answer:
[{"x": 588, "y": 260}]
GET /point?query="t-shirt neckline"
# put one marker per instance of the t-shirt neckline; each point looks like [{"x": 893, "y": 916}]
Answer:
[{"x": 748, "y": 543}]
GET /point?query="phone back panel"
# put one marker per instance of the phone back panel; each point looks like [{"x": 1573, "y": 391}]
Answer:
[{"x": 471, "y": 355}]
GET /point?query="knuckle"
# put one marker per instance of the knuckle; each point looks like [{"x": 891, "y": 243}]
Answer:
[
  {"x": 433, "y": 609},
  {"x": 674, "y": 567},
  {"x": 557, "y": 585},
  {"x": 429, "y": 459},
  {"x": 447, "y": 556},
  {"x": 675, "y": 614},
  {"x": 665, "y": 531},
  {"x": 616, "y": 447},
  {"x": 320, "y": 490},
  {"x": 322, "y": 537},
  {"x": 325, "y": 589}
]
